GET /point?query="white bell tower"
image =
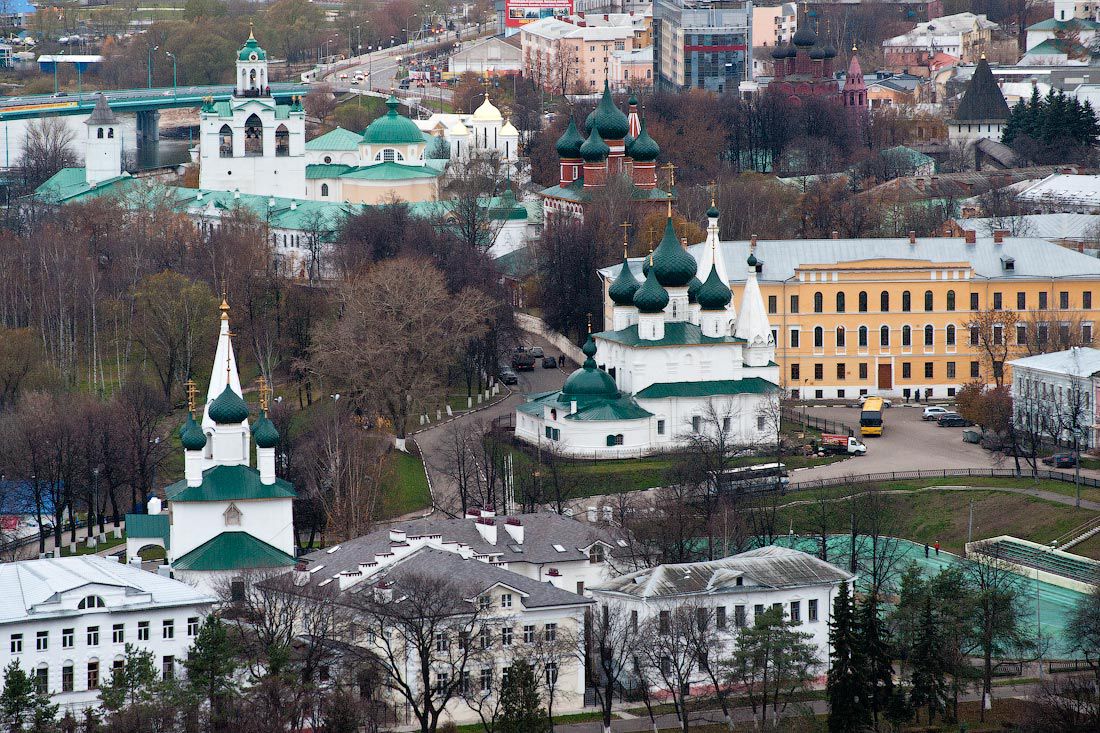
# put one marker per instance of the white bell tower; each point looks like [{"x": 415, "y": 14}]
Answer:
[
  {"x": 103, "y": 144},
  {"x": 252, "y": 78}
]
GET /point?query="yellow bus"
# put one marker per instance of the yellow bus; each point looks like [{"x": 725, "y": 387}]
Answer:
[{"x": 870, "y": 416}]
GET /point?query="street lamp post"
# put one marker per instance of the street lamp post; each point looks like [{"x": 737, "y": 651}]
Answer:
[
  {"x": 149, "y": 66},
  {"x": 172, "y": 56}
]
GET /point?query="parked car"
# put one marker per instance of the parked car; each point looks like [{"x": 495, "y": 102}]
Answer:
[
  {"x": 535, "y": 351},
  {"x": 1061, "y": 460},
  {"x": 549, "y": 362},
  {"x": 508, "y": 376},
  {"x": 952, "y": 420},
  {"x": 863, "y": 398},
  {"x": 934, "y": 412}
]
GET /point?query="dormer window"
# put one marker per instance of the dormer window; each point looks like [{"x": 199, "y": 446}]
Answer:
[
  {"x": 91, "y": 602},
  {"x": 596, "y": 554},
  {"x": 1009, "y": 264},
  {"x": 232, "y": 516}
]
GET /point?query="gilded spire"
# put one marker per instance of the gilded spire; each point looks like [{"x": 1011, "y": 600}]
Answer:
[{"x": 251, "y": 35}]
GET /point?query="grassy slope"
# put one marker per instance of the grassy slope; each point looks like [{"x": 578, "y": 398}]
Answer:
[
  {"x": 406, "y": 488},
  {"x": 943, "y": 515}
]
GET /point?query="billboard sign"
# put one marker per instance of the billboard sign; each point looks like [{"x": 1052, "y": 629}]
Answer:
[{"x": 521, "y": 12}]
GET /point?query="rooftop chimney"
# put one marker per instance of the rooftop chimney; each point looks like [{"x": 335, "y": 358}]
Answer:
[
  {"x": 514, "y": 528},
  {"x": 487, "y": 528},
  {"x": 397, "y": 535},
  {"x": 912, "y": 237},
  {"x": 835, "y": 234},
  {"x": 999, "y": 236},
  {"x": 971, "y": 236}
]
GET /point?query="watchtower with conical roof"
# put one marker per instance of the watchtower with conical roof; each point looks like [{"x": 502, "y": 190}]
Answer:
[
  {"x": 103, "y": 144},
  {"x": 982, "y": 111}
]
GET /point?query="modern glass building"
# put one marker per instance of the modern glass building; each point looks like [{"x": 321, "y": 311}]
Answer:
[{"x": 702, "y": 44}]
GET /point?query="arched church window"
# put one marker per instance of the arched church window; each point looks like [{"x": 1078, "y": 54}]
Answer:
[
  {"x": 906, "y": 301},
  {"x": 950, "y": 300},
  {"x": 389, "y": 155},
  {"x": 928, "y": 300},
  {"x": 929, "y": 335},
  {"x": 99, "y": 133},
  {"x": 884, "y": 301},
  {"x": 840, "y": 302},
  {"x": 884, "y": 336},
  {"x": 253, "y": 136},
  {"x": 110, "y": 133},
  {"x": 324, "y": 189},
  {"x": 282, "y": 141},
  {"x": 819, "y": 337},
  {"x": 863, "y": 301},
  {"x": 863, "y": 337},
  {"x": 253, "y": 83},
  {"x": 819, "y": 302},
  {"x": 906, "y": 336},
  {"x": 840, "y": 337},
  {"x": 209, "y": 445},
  {"x": 225, "y": 142}
]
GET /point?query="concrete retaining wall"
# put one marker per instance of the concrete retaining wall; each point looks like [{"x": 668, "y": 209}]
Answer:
[{"x": 535, "y": 325}]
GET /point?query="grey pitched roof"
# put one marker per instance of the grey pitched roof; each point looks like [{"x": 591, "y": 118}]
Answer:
[
  {"x": 1034, "y": 257},
  {"x": 102, "y": 114},
  {"x": 471, "y": 577},
  {"x": 982, "y": 99},
  {"x": 764, "y": 568},
  {"x": 29, "y": 583},
  {"x": 1078, "y": 361}
]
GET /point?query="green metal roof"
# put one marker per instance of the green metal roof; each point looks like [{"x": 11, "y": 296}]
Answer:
[
  {"x": 1074, "y": 24},
  {"x": 676, "y": 334},
  {"x": 393, "y": 128},
  {"x": 230, "y": 483},
  {"x": 575, "y": 192},
  {"x": 251, "y": 50},
  {"x": 233, "y": 551},
  {"x": 391, "y": 172},
  {"x": 72, "y": 183},
  {"x": 714, "y": 388},
  {"x": 338, "y": 139},
  {"x": 593, "y": 409},
  {"x": 149, "y": 526},
  {"x": 327, "y": 170}
]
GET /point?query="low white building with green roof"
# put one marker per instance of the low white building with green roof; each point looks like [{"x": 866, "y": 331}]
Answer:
[
  {"x": 678, "y": 361},
  {"x": 225, "y": 518}
]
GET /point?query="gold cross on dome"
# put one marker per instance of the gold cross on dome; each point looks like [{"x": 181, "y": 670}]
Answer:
[
  {"x": 192, "y": 390},
  {"x": 265, "y": 391},
  {"x": 624, "y": 226},
  {"x": 671, "y": 175}
]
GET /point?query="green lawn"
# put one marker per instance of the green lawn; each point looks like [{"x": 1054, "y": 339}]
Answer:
[
  {"x": 558, "y": 720},
  {"x": 82, "y": 547},
  {"x": 406, "y": 486}
]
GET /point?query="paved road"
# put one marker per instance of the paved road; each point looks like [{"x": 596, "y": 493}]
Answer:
[
  {"x": 432, "y": 441},
  {"x": 744, "y": 714}
]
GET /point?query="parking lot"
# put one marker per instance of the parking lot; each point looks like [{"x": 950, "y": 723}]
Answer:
[{"x": 907, "y": 444}]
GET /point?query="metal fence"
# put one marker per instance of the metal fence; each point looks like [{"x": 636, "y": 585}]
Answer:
[
  {"x": 817, "y": 423},
  {"x": 873, "y": 478}
]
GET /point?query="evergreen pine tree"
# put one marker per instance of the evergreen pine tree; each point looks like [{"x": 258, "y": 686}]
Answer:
[
  {"x": 212, "y": 666},
  {"x": 847, "y": 707},
  {"x": 878, "y": 660},
  {"x": 17, "y": 701},
  {"x": 133, "y": 683},
  {"x": 520, "y": 704},
  {"x": 929, "y": 676}
]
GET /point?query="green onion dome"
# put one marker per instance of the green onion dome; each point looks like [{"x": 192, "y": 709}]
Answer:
[
  {"x": 251, "y": 50},
  {"x": 712, "y": 212},
  {"x": 779, "y": 52},
  {"x": 625, "y": 285},
  {"x": 673, "y": 265},
  {"x": 817, "y": 53},
  {"x": 644, "y": 148},
  {"x": 607, "y": 118},
  {"x": 589, "y": 380},
  {"x": 752, "y": 261},
  {"x": 265, "y": 433},
  {"x": 392, "y": 128},
  {"x": 633, "y": 101},
  {"x": 191, "y": 435},
  {"x": 715, "y": 294},
  {"x": 594, "y": 149},
  {"x": 804, "y": 37},
  {"x": 830, "y": 50},
  {"x": 570, "y": 142},
  {"x": 693, "y": 290},
  {"x": 651, "y": 297},
  {"x": 228, "y": 408},
  {"x": 647, "y": 263}
]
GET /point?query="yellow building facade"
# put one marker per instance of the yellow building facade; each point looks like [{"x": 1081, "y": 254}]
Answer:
[{"x": 893, "y": 316}]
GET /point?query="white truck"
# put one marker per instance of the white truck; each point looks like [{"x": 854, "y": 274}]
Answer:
[{"x": 840, "y": 444}]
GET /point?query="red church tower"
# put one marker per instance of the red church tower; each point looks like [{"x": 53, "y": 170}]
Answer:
[{"x": 804, "y": 68}]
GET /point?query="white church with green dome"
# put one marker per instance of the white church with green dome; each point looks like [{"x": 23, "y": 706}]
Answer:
[
  {"x": 224, "y": 518},
  {"x": 679, "y": 359}
]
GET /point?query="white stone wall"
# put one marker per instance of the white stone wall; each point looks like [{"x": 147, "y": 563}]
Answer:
[
  {"x": 195, "y": 522},
  {"x": 264, "y": 175}
]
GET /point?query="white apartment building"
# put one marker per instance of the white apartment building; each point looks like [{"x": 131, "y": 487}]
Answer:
[
  {"x": 517, "y": 604},
  {"x": 1055, "y": 394},
  {"x": 735, "y": 589},
  {"x": 67, "y": 621}
]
